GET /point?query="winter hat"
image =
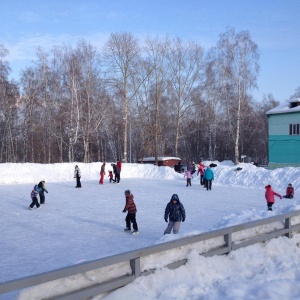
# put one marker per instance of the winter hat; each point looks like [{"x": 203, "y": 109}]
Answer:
[
  {"x": 127, "y": 192},
  {"x": 268, "y": 186},
  {"x": 175, "y": 197},
  {"x": 290, "y": 184}
]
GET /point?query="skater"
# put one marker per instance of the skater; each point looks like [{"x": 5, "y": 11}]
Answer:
[
  {"x": 208, "y": 176},
  {"x": 42, "y": 189},
  {"x": 102, "y": 173},
  {"x": 130, "y": 207},
  {"x": 289, "y": 192},
  {"x": 116, "y": 172},
  {"x": 77, "y": 175},
  {"x": 34, "y": 194},
  {"x": 188, "y": 176},
  {"x": 176, "y": 213},
  {"x": 269, "y": 195},
  {"x": 201, "y": 172},
  {"x": 111, "y": 176}
]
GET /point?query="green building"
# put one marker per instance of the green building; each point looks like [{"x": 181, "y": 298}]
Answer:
[{"x": 284, "y": 134}]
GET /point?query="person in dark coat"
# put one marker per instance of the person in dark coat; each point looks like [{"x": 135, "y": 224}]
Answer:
[
  {"x": 130, "y": 208},
  {"x": 116, "y": 172},
  {"x": 175, "y": 212},
  {"x": 42, "y": 190},
  {"x": 77, "y": 175},
  {"x": 34, "y": 194}
]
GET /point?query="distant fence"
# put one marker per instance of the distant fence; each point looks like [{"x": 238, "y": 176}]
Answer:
[{"x": 132, "y": 258}]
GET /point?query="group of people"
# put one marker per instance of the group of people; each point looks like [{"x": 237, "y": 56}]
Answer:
[
  {"x": 114, "y": 176},
  {"x": 174, "y": 214},
  {"x": 270, "y": 194},
  {"x": 206, "y": 175},
  {"x": 111, "y": 174},
  {"x": 38, "y": 190}
]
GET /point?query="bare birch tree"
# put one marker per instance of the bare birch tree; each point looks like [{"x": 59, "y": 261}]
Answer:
[
  {"x": 121, "y": 53},
  {"x": 238, "y": 63}
]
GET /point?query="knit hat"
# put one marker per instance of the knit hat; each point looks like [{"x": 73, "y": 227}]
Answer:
[{"x": 127, "y": 192}]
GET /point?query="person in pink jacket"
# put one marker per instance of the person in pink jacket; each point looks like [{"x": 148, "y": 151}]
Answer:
[{"x": 269, "y": 195}]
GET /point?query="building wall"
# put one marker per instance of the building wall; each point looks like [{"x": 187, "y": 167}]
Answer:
[
  {"x": 279, "y": 124},
  {"x": 284, "y": 149}
]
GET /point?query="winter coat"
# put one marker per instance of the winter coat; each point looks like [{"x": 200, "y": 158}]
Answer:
[
  {"x": 130, "y": 205},
  {"x": 103, "y": 168},
  {"x": 269, "y": 195},
  {"x": 188, "y": 174},
  {"x": 42, "y": 188},
  {"x": 77, "y": 173},
  {"x": 208, "y": 174},
  {"x": 175, "y": 211},
  {"x": 110, "y": 174},
  {"x": 35, "y": 191},
  {"x": 200, "y": 169},
  {"x": 290, "y": 191},
  {"x": 119, "y": 165}
]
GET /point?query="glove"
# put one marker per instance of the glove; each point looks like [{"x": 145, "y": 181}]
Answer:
[
  {"x": 47, "y": 192},
  {"x": 166, "y": 220},
  {"x": 124, "y": 210},
  {"x": 183, "y": 219},
  {"x": 280, "y": 197}
]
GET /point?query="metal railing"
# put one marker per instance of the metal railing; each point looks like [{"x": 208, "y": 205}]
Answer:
[{"x": 133, "y": 258}]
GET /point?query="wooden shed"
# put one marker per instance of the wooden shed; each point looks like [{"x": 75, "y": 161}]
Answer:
[{"x": 162, "y": 161}]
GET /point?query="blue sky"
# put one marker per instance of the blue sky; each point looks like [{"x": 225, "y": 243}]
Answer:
[{"x": 273, "y": 24}]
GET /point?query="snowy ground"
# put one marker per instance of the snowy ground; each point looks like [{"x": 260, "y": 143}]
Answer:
[{"x": 75, "y": 225}]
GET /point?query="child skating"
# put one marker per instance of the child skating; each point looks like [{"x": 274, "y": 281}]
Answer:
[
  {"x": 34, "y": 194},
  {"x": 189, "y": 177},
  {"x": 175, "y": 212},
  {"x": 130, "y": 208}
]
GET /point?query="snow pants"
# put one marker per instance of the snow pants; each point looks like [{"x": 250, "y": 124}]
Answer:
[
  {"x": 34, "y": 202},
  {"x": 78, "y": 183},
  {"x": 188, "y": 182},
  {"x": 172, "y": 225},
  {"x": 42, "y": 198},
  {"x": 208, "y": 184},
  {"x": 101, "y": 178},
  {"x": 130, "y": 218},
  {"x": 270, "y": 204}
]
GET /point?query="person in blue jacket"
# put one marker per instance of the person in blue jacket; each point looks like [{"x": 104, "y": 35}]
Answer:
[
  {"x": 176, "y": 213},
  {"x": 208, "y": 177}
]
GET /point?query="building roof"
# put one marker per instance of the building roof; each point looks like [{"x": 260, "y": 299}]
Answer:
[
  {"x": 286, "y": 107},
  {"x": 161, "y": 158}
]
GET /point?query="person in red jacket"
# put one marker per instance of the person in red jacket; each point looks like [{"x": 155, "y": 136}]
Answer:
[
  {"x": 289, "y": 192},
  {"x": 269, "y": 195},
  {"x": 201, "y": 172},
  {"x": 130, "y": 208},
  {"x": 119, "y": 165}
]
